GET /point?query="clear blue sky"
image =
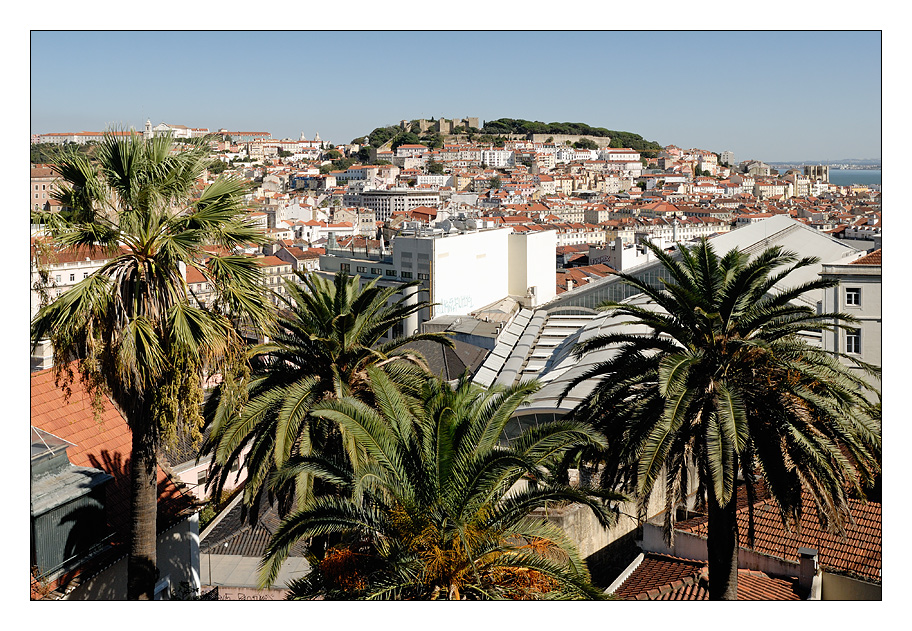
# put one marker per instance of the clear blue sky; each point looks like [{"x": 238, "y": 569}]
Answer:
[{"x": 766, "y": 95}]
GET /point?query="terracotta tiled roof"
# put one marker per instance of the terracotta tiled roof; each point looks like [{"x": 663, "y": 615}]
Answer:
[
  {"x": 664, "y": 577},
  {"x": 104, "y": 443},
  {"x": 194, "y": 275},
  {"x": 858, "y": 553},
  {"x": 659, "y": 570},
  {"x": 869, "y": 259}
]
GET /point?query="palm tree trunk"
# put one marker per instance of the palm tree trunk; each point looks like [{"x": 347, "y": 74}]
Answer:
[
  {"x": 722, "y": 548},
  {"x": 141, "y": 563}
]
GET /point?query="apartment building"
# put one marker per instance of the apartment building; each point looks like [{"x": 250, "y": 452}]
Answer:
[
  {"x": 41, "y": 186},
  {"x": 384, "y": 203}
]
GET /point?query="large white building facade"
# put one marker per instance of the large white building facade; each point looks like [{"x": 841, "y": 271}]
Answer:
[{"x": 460, "y": 271}]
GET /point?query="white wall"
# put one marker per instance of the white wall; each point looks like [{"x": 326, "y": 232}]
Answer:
[
  {"x": 178, "y": 558},
  {"x": 468, "y": 271},
  {"x": 531, "y": 264}
]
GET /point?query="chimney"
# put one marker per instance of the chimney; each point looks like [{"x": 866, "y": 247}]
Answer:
[{"x": 808, "y": 579}]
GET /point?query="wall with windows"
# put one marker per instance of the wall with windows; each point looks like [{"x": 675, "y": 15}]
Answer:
[{"x": 857, "y": 294}]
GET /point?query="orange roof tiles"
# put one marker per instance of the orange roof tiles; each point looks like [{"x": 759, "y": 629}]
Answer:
[
  {"x": 664, "y": 577},
  {"x": 104, "y": 443},
  {"x": 858, "y": 553},
  {"x": 872, "y": 258}
]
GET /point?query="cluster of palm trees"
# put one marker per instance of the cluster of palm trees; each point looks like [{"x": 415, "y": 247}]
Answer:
[{"x": 402, "y": 484}]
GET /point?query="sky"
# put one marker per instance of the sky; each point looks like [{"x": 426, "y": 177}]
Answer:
[{"x": 765, "y": 95}]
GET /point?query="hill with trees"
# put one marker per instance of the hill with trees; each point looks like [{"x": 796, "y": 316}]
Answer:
[
  {"x": 619, "y": 139},
  {"x": 493, "y": 131}
]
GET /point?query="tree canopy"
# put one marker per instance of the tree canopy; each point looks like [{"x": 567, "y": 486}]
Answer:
[
  {"x": 132, "y": 330},
  {"x": 438, "y": 508},
  {"x": 720, "y": 385}
]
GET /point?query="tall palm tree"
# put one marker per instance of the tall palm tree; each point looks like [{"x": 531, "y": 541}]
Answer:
[
  {"x": 328, "y": 336},
  {"x": 722, "y": 381},
  {"x": 433, "y": 512},
  {"x": 131, "y": 327}
]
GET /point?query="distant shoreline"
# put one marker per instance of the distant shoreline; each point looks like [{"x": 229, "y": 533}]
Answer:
[{"x": 840, "y": 166}]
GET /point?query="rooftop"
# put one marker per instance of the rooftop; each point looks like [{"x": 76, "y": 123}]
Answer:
[{"x": 664, "y": 577}]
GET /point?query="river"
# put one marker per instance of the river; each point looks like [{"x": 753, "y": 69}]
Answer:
[{"x": 844, "y": 177}]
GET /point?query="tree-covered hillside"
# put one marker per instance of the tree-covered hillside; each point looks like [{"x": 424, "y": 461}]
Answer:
[
  {"x": 619, "y": 139},
  {"x": 492, "y": 130}
]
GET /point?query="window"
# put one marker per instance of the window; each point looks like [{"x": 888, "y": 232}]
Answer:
[
  {"x": 853, "y": 296},
  {"x": 346, "y": 267},
  {"x": 72, "y": 278},
  {"x": 85, "y": 274},
  {"x": 376, "y": 270},
  {"x": 360, "y": 269},
  {"x": 853, "y": 341},
  {"x": 202, "y": 477},
  {"x": 57, "y": 278},
  {"x": 390, "y": 272},
  {"x": 406, "y": 274},
  {"x": 424, "y": 276}
]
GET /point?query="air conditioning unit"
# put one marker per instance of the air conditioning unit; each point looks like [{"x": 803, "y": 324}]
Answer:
[{"x": 531, "y": 291}]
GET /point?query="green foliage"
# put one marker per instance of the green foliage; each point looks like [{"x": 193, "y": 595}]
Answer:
[
  {"x": 49, "y": 153},
  {"x": 723, "y": 381},
  {"x": 364, "y": 155},
  {"x": 342, "y": 164},
  {"x": 495, "y": 182},
  {"x": 381, "y": 135},
  {"x": 619, "y": 139},
  {"x": 329, "y": 334},
  {"x": 131, "y": 330},
  {"x": 434, "y": 168},
  {"x": 332, "y": 154},
  {"x": 585, "y": 143},
  {"x": 283, "y": 153},
  {"x": 433, "y": 141},
  {"x": 217, "y": 166},
  {"x": 405, "y": 139},
  {"x": 429, "y": 513}
]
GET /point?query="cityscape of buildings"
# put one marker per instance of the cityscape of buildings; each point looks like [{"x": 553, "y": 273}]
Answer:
[{"x": 514, "y": 244}]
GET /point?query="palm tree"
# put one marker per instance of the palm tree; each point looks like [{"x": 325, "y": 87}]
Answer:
[
  {"x": 130, "y": 326},
  {"x": 326, "y": 339},
  {"x": 433, "y": 512},
  {"x": 721, "y": 381}
]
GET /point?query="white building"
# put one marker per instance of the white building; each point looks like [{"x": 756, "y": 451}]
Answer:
[
  {"x": 497, "y": 158},
  {"x": 859, "y": 295},
  {"x": 385, "y": 203},
  {"x": 460, "y": 271}
]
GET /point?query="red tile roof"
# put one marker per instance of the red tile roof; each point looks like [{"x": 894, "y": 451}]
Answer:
[
  {"x": 664, "y": 577},
  {"x": 858, "y": 553},
  {"x": 104, "y": 443},
  {"x": 869, "y": 259}
]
